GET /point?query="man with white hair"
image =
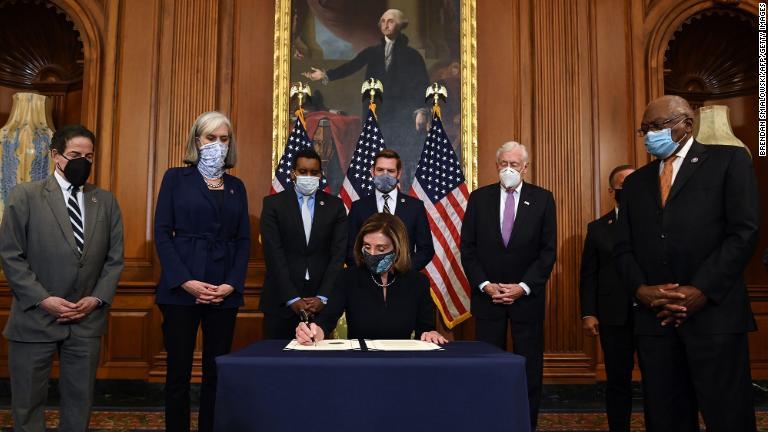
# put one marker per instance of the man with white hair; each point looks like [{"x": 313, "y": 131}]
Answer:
[
  {"x": 508, "y": 240},
  {"x": 402, "y": 72}
]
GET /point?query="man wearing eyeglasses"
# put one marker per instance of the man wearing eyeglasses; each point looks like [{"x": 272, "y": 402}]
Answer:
[{"x": 687, "y": 228}]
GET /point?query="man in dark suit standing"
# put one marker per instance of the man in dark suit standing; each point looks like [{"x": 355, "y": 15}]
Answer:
[
  {"x": 687, "y": 228},
  {"x": 508, "y": 241},
  {"x": 61, "y": 247},
  {"x": 386, "y": 172},
  {"x": 606, "y": 308},
  {"x": 304, "y": 232}
]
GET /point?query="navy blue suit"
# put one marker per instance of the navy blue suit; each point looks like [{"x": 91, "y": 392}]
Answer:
[
  {"x": 411, "y": 211},
  {"x": 196, "y": 239},
  {"x": 201, "y": 235}
]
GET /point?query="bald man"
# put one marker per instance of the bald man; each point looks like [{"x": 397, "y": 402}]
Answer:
[{"x": 687, "y": 228}]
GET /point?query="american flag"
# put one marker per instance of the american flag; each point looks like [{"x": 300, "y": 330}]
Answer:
[
  {"x": 358, "y": 182},
  {"x": 298, "y": 140},
  {"x": 439, "y": 182}
]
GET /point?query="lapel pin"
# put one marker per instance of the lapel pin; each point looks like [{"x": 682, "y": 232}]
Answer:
[
  {"x": 526, "y": 203},
  {"x": 322, "y": 203},
  {"x": 232, "y": 191},
  {"x": 402, "y": 200},
  {"x": 694, "y": 160},
  {"x": 93, "y": 199},
  {"x": 610, "y": 221}
]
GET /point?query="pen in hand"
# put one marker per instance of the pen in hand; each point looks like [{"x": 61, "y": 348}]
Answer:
[{"x": 306, "y": 319}]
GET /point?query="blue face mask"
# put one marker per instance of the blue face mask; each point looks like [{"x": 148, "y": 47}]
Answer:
[{"x": 660, "y": 143}]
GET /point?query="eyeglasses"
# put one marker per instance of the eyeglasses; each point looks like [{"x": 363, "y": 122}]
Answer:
[{"x": 645, "y": 128}]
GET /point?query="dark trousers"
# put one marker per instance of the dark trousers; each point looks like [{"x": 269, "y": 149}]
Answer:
[
  {"x": 618, "y": 344},
  {"x": 279, "y": 327},
  {"x": 685, "y": 374},
  {"x": 527, "y": 341},
  {"x": 180, "y": 324}
]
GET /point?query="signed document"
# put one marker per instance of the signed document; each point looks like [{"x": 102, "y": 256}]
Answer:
[
  {"x": 323, "y": 345},
  {"x": 370, "y": 345}
]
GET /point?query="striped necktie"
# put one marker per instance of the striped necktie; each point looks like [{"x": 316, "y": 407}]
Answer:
[
  {"x": 76, "y": 218},
  {"x": 386, "y": 204}
]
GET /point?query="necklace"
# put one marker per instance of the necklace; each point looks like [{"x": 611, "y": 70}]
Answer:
[
  {"x": 381, "y": 284},
  {"x": 213, "y": 185}
]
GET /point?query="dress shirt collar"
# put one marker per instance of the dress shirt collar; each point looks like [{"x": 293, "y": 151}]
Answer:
[
  {"x": 301, "y": 196},
  {"x": 518, "y": 188},
  {"x": 63, "y": 183},
  {"x": 684, "y": 151},
  {"x": 392, "y": 195}
]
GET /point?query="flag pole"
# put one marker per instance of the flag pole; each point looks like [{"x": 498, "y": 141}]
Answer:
[
  {"x": 301, "y": 91},
  {"x": 436, "y": 91},
  {"x": 372, "y": 86}
]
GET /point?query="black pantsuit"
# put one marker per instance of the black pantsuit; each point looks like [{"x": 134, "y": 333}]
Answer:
[
  {"x": 200, "y": 235},
  {"x": 180, "y": 324}
]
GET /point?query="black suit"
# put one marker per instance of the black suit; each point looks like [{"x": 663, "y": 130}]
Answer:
[
  {"x": 703, "y": 236},
  {"x": 528, "y": 257},
  {"x": 604, "y": 297},
  {"x": 288, "y": 256},
  {"x": 411, "y": 211}
]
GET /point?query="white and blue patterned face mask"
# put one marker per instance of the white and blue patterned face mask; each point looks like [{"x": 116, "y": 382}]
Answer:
[{"x": 211, "y": 158}]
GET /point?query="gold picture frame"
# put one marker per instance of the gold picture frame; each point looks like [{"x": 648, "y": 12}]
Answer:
[{"x": 468, "y": 49}]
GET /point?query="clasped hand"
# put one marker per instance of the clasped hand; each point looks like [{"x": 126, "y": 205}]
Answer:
[
  {"x": 504, "y": 293},
  {"x": 311, "y": 305},
  {"x": 673, "y": 302},
  {"x": 67, "y": 312},
  {"x": 206, "y": 293}
]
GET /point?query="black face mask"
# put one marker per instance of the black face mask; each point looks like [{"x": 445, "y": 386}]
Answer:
[
  {"x": 380, "y": 263},
  {"x": 617, "y": 195},
  {"x": 77, "y": 170}
]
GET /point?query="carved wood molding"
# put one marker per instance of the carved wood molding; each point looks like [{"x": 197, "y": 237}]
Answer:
[
  {"x": 712, "y": 56},
  {"x": 49, "y": 58},
  {"x": 562, "y": 148}
]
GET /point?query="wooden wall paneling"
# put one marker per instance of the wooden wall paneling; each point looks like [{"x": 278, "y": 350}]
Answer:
[
  {"x": 252, "y": 114},
  {"x": 563, "y": 149}
]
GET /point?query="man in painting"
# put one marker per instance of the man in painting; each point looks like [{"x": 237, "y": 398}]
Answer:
[{"x": 403, "y": 73}]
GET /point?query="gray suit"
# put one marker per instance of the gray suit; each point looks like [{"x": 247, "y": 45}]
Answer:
[{"x": 40, "y": 259}]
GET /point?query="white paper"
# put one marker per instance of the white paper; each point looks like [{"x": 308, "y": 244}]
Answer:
[
  {"x": 401, "y": 345},
  {"x": 323, "y": 345}
]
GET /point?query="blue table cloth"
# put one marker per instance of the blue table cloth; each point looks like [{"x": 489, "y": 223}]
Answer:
[{"x": 468, "y": 386}]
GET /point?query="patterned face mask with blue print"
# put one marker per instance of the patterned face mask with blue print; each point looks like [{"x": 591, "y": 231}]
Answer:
[
  {"x": 378, "y": 264},
  {"x": 211, "y": 159}
]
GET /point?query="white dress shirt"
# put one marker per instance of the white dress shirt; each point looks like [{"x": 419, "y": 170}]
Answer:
[
  {"x": 65, "y": 190},
  {"x": 678, "y": 161},
  {"x": 392, "y": 203},
  {"x": 502, "y": 205}
]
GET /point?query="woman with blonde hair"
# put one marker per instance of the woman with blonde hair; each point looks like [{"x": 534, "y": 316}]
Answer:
[
  {"x": 383, "y": 297},
  {"x": 202, "y": 236}
]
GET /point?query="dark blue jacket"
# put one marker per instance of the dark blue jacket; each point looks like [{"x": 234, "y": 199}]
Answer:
[{"x": 198, "y": 240}]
